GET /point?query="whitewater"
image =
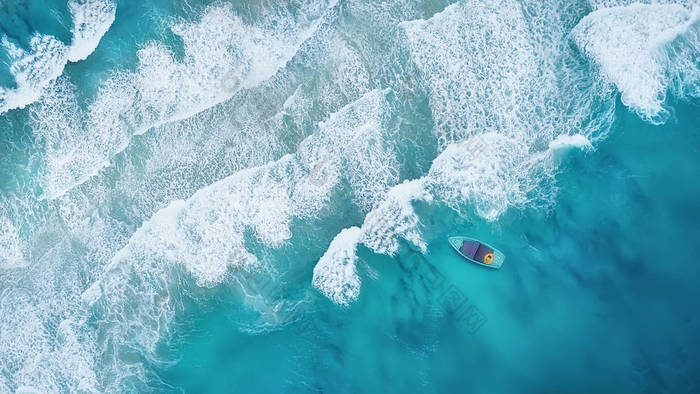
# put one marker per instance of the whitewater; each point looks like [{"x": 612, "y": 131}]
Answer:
[{"x": 218, "y": 196}]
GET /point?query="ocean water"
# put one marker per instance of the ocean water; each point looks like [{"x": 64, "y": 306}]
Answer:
[{"x": 215, "y": 196}]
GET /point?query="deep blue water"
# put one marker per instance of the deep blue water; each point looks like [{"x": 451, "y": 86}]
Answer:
[{"x": 256, "y": 197}]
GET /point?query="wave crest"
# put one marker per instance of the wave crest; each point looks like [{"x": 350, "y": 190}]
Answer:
[
  {"x": 34, "y": 70},
  {"x": 335, "y": 275},
  {"x": 641, "y": 49}
]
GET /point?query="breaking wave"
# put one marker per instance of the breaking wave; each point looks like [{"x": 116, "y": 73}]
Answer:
[
  {"x": 91, "y": 21},
  {"x": 500, "y": 155},
  {"x": 223, "y": 53},
  {"x": 210, "y": 234},
  {"x": 335, "y": 275},
  {"x": 488, "y": 172},
  {"x": 644, "y": 50},
  {"x": 36, "y": 68}
]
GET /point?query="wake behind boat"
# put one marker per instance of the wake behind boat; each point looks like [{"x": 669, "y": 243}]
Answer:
[{"x": 477, "y": 252}]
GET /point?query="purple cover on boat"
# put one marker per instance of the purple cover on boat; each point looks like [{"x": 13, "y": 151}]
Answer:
[
  {"x": 469, "y": 248},
  {"x": 481, "y": 252}
]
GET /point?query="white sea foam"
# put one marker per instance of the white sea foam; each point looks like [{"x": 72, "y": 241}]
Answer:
[
  {"x": 46, "y": 58},
  {"x": 34, "y": 338},
  {"x": 599, "y": 4},
  {"x": 11, "y": 245},
  {"x": 395, "y": 219},
  {"x": 223, "y": 53},
  {"x": 206, "y": 233},
  {"x": 33, "y": 70},
  {"x": 566, "y": 141},
  {"x": 363, "y": 155},
  {"x": 488, "y": 67},
  {"x": 91, "y": 21},
  {"x": 629, "y": 43},
  {"x": 489, "y": 172},
  {"x": 26, "y": 336},
  {"x": 477, "y": 59},
  {"x": 335, "y": 274},
  {"x": 346, "y": 77}
]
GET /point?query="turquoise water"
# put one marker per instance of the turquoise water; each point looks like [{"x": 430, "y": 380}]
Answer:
[{"x": 255, "y": 197}]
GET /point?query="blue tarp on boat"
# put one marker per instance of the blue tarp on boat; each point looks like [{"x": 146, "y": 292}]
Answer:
[
  {"x": 475, "y": 250},
  {"x": 469, "y": 248}
]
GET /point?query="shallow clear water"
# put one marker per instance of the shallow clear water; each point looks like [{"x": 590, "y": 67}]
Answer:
[{"x": 255, "y": 197}]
